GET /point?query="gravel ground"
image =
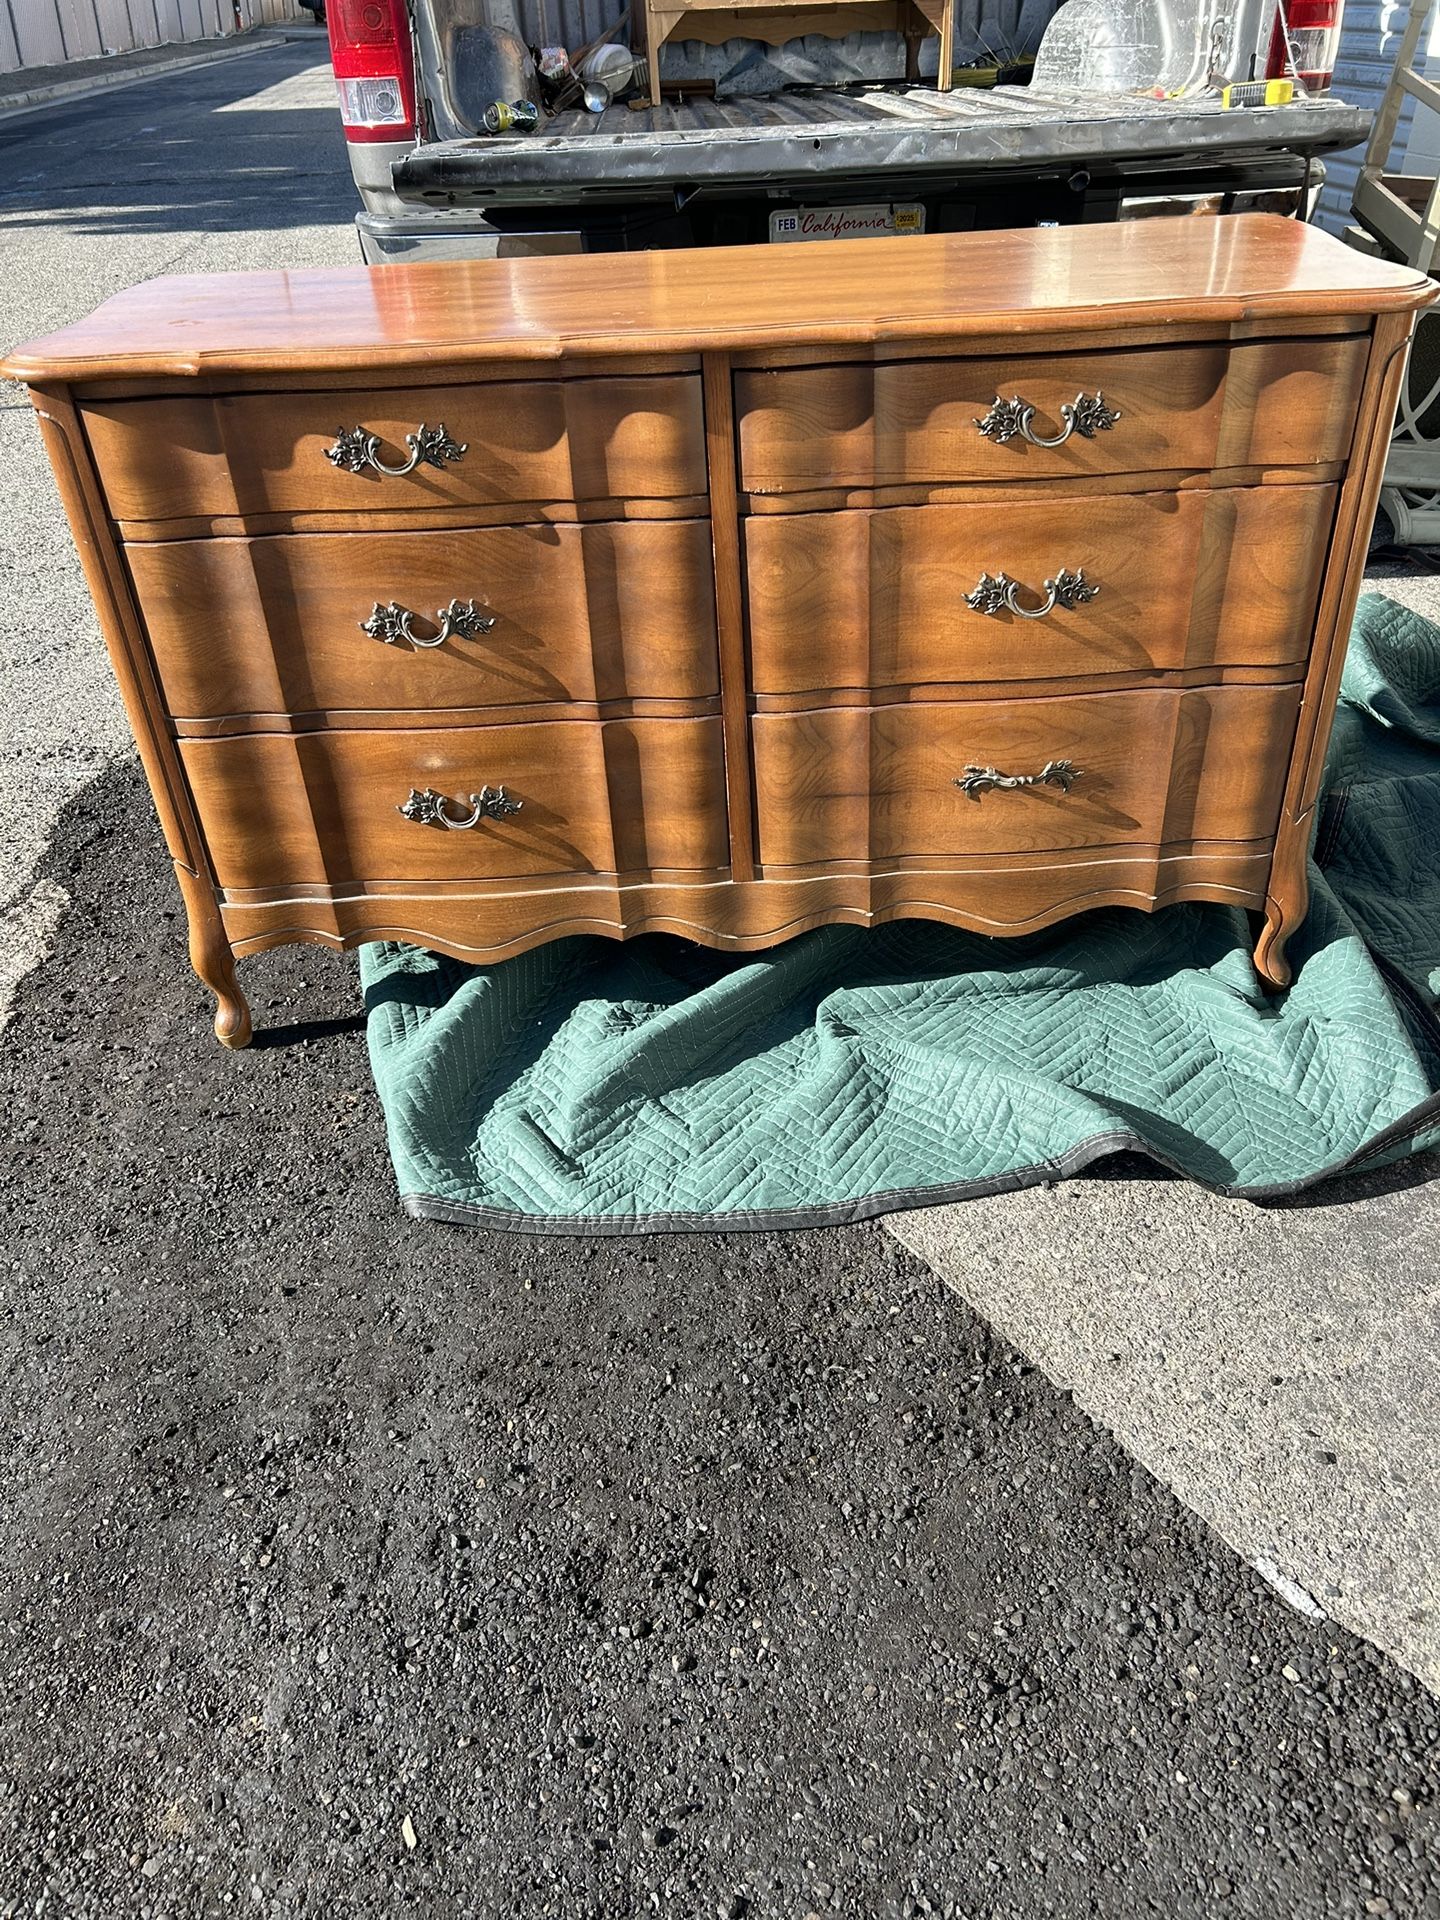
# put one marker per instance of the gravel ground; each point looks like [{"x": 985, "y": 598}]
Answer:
[{"x": 352, "y": 1566}]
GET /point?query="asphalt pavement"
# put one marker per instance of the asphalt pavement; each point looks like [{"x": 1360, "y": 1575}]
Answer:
[
  {"x": 353, "y": 1566},
  {"x": 240, "y": 163},
  {"x": 695, "y": 1576},
  {"x": 1277, "y": 1367}
]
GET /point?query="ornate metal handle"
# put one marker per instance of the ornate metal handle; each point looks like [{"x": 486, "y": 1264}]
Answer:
[
  {"x": 1087, "y": 415},
  {"x": 1054, "y": 773},
  {"x": 998, "y": 593},
  {"x": 356, "y": 448},
  {"x": 462, "y": 620},
  {"x": 431, "y": 809}
]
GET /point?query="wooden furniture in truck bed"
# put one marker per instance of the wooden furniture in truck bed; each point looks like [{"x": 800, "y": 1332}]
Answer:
[
  {"x": 776, "y": 21},
  {"x": 984, "y": 578}
]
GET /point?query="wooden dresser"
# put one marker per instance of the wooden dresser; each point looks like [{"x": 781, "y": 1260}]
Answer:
[{"x": 986, "y": 578}]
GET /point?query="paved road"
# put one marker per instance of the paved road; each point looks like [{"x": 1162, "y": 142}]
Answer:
[
  {"x": 239, "y": 164},
  {"x": 354, "y": 1567}
]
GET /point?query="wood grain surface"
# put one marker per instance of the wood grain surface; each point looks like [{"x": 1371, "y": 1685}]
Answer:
[
  {"x": 730, "y": 612},
  {"x": 596, "y": 797},
  {"x": 1026, "y": 282},
  {"x": 540, "y": 440},
  {"x": 122, "y": 627},
  {"x": 1155, "y": 766},
  {"x": 256, "y": 376},
  {"x": 442, "y": 519},
  {"x": 320, "y": 719},
  {"x": 909, "y": 422},
  {"x": 1196, "y": 579},
  {"x": 1125, "y": 333},
  {"x": 946, "y": 493},
  {"x": 1287, "y": 896},
  {"x": 614, "y": 611},
  {"x": 730, "y": 585},
  {"x": 946, "y": 693},
  {"x": 488, "y": 922}
]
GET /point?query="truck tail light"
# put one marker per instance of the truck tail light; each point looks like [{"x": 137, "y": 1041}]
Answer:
[
  {"x": 1309, "y": 56},
  {"x": 374, "y": 68}
]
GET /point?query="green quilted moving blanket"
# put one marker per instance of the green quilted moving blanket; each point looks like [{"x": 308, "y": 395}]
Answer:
[{"x": 592, "y": 1086}]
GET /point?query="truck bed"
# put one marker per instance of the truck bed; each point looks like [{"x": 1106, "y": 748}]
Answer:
[{"x": 828, "y": 134}]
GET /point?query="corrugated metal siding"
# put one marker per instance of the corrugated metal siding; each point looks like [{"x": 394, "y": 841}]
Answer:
[
  {"x": 1369, "y": 40},
  {"x": 1003, "y": 25},
  {"x": 568, "y": 23},
  {"x": 459, "y": 79},
  {"x": 43, "y": 33}
]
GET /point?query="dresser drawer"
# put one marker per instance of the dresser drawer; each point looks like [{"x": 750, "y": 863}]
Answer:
[
  {"x": 617, "y": 796},
  {"x": 295, "y": 623},
  {"x": 916, "y": 422},
  {"x": 878, "y": 597},
  {"x": 1155, "y": 767},
  {"x": 526, "y": 441}
]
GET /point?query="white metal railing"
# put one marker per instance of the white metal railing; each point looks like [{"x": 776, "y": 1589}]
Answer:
[{"x": 1410, "y": 495}]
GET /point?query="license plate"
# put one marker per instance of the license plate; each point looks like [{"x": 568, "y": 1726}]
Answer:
[{"x": 845, "y": 223}]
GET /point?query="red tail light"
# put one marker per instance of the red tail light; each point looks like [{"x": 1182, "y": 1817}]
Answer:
[
  {"x": 1314, "y": 33},
  {"x": 374, "y": 68}
]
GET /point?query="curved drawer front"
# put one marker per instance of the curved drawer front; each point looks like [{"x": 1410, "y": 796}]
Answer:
[
  {"x": 918, "y": 422},
  {"x": 525, "y": 441},
  {"x": 878, "y": 598},
  {"x": 618, "y": 796},
  {"x": 298, "y": 623},
  {"x": 1154, "y": 767}
]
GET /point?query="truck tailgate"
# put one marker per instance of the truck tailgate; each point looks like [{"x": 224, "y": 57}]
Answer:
[{"x": 827, "y": 135}]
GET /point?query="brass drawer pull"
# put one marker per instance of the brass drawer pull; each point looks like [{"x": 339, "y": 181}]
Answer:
[
  {"x": 431, "y": 809},
  {"x": 1087, "y": 415},
  {"x": 356, "y": 448},
  {"x": 998, "y": 593},
  {"x": 462, "y": 620},
  {"x": 1054, "y": 773}
]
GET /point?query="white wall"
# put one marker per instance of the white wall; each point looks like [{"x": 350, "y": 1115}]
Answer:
[{"x": 42, "y": 33}]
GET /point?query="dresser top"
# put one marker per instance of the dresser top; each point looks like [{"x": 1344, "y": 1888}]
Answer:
[{"x": 936, "y": 287}]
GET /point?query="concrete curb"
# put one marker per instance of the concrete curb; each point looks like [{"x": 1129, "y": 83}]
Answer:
[{"x": 121, "y": 72}]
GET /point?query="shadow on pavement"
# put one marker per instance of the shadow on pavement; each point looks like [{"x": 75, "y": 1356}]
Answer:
[{"x": 362, "y": 1564}]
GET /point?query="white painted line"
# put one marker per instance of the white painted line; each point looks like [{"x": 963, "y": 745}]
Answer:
[{"x": 1293, "y": 1595}]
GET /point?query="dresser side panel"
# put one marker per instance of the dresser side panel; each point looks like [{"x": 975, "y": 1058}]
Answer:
[
  {"x": 1288, "y": 890},
  {"x": 124, "y": 634},
  {"x": 120, "y": 622}
]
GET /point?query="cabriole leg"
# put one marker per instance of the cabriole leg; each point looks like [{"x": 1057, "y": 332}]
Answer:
[
  {"x": 213, "y": 961},
  {"x": 1282, "y": 917}
]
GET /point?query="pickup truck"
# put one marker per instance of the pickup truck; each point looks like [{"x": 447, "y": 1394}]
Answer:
[{"x": 709, "y": 168}]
